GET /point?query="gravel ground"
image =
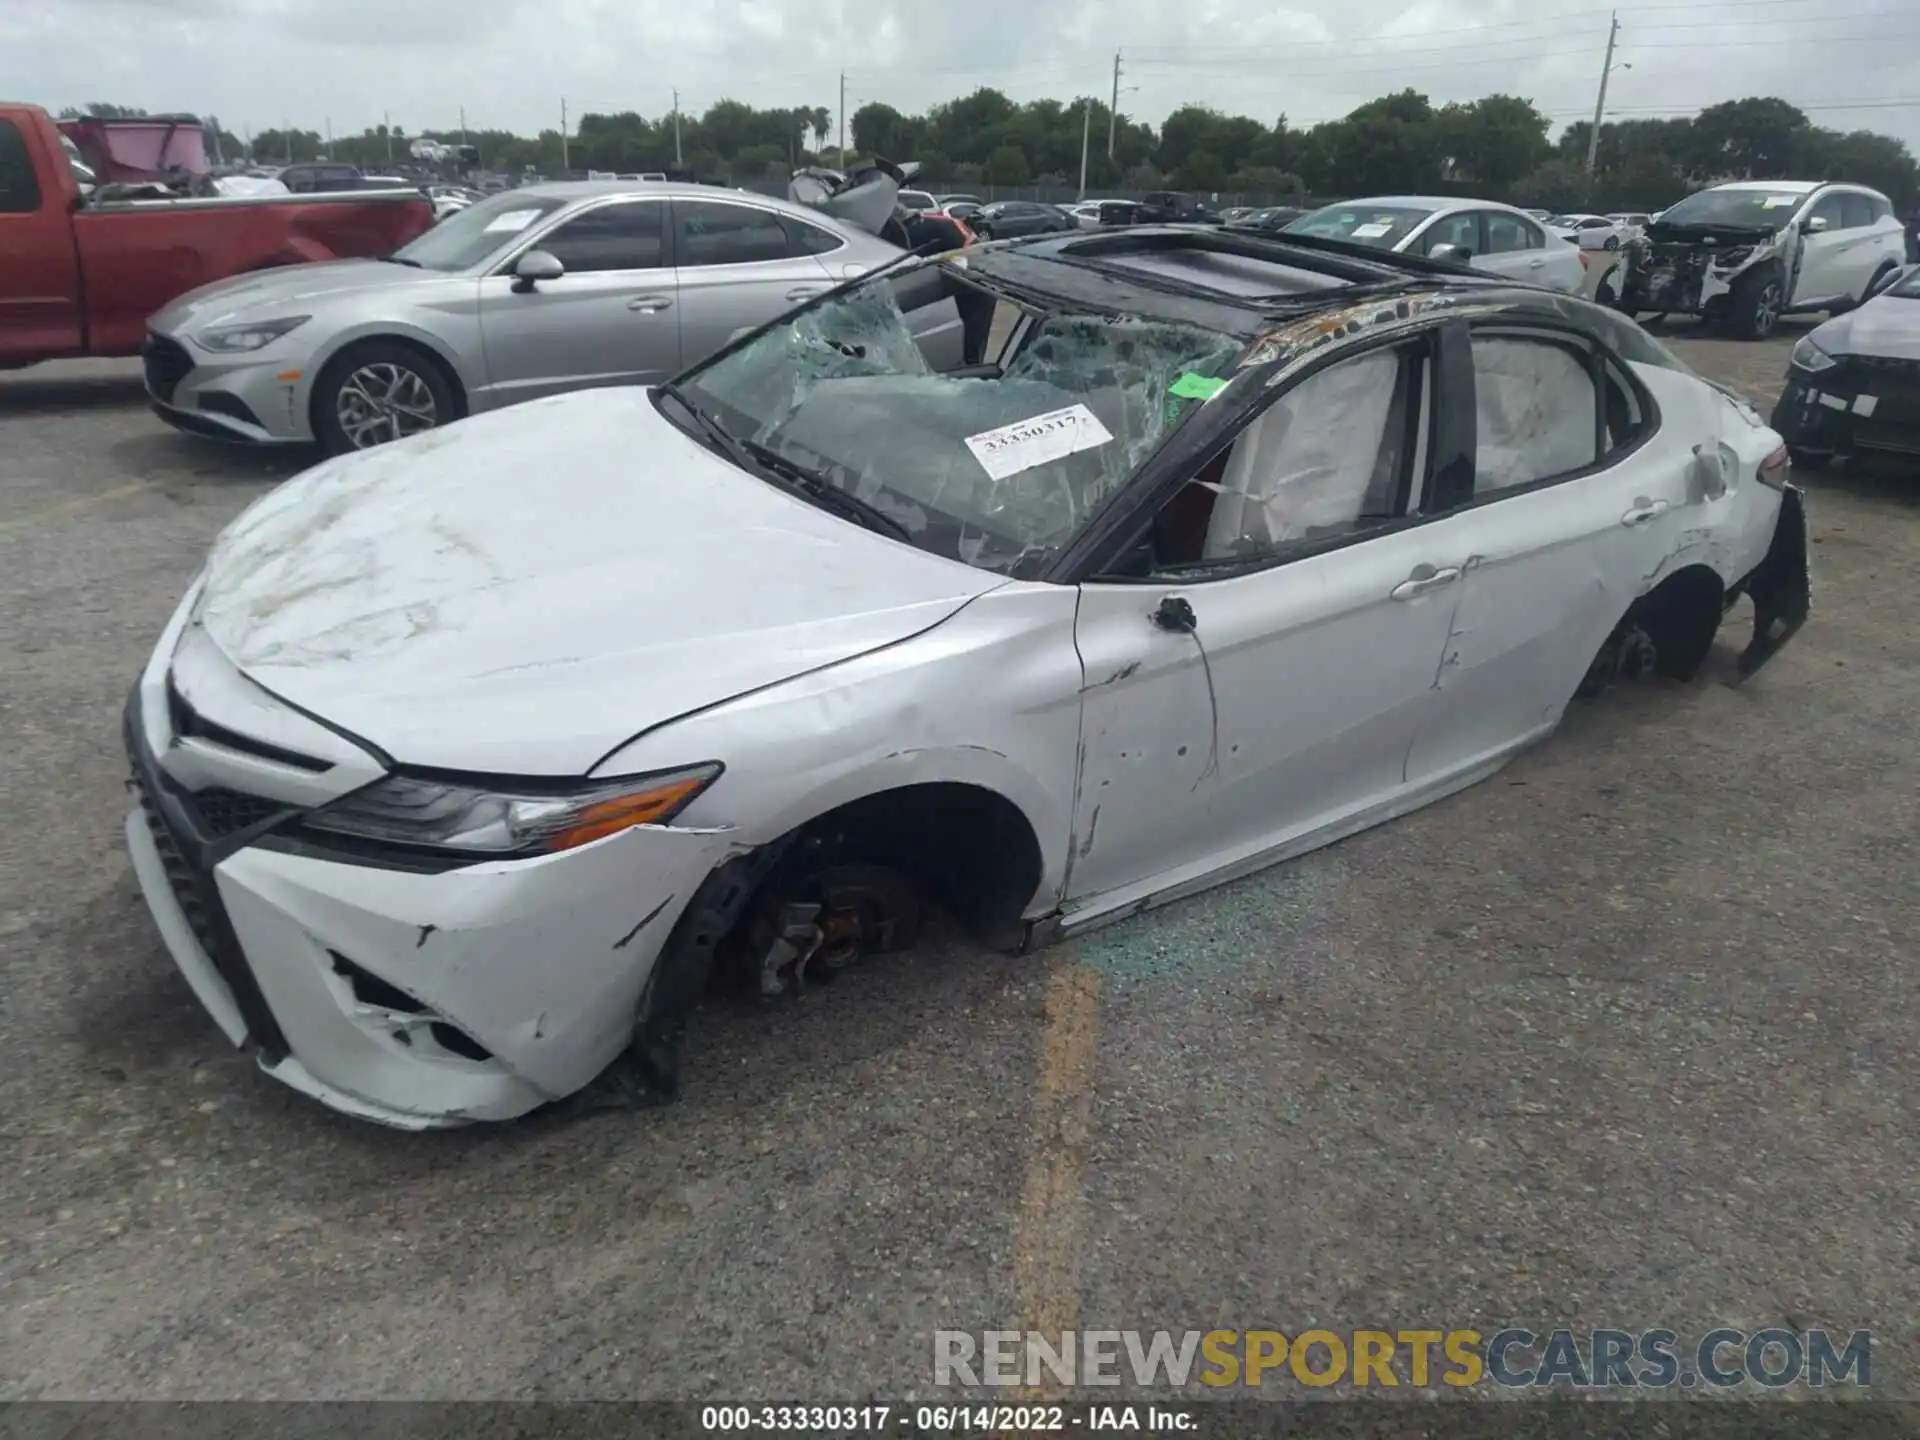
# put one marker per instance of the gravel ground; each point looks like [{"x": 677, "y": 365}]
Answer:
[{"x": 1624, "y": 1035}]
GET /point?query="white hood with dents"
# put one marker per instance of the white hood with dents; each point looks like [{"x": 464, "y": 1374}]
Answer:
[{"x": 520, "y": 593}]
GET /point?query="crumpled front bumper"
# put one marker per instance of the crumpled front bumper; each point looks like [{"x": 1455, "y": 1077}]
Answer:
[
  {"x": 1781, "y": 585},
  {"x": 418, "y": 1000},
  {"x": 1851, "y": 406}
]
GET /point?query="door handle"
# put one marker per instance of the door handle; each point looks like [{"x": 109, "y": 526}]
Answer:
[
  {"x": 804, "y": 292},
  {"x": 1423, "y": 579},
  {"x": 649, "y": 303},
  {"x": 1536, "y": 264},
  {"x": 1644, "y": 510}
]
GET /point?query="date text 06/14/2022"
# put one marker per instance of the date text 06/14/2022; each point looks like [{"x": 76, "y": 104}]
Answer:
[{"x": 945, "y": 1419}]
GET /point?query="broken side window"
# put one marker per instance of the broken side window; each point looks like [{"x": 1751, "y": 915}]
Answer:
[{"x": 1536, "y": 411}]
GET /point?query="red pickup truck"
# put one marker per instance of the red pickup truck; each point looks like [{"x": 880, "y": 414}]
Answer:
[{"x": 81, "y": 278}]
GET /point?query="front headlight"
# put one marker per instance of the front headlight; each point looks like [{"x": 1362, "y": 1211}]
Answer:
[
  {"x": 1809, "y": 356},
  {"x": 405, "y": 810},
  {"x": 251, "y": 335}
]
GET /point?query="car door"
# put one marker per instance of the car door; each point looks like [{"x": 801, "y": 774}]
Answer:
[
  {"x": 1572, "y": 507},
  {"x": 1262, "y": 683},
  {"x": 1521, "y": 250},
  {"x": 1828, "y": 250},
  {"x": 1884, "y": 243},
  {"x": 40, "y": 310},
  {"x": 1460, "y": 228},
  {"x": 739, "y": 265},
  {"x": 609, "y": 320}
]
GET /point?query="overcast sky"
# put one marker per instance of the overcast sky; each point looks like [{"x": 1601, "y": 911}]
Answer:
[{"x": 258, "y": 63}]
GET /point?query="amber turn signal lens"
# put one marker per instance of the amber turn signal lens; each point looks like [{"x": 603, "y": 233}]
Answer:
[{"x": 623, "y": 812}]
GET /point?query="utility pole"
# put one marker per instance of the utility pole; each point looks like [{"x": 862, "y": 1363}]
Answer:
[
  {"x": 843, "y": 119},
  {"x": 386, "y": 117},
  {"x": 566, "y": 162},
  {"x": 678, "y": 163},
  {"x": 1086, "y": 129},
  {"x": 286, "y": 129},
  {"x": 329, "y": 137},
  {"x": 1600, "y": 105},
  {"x": 463, "y": 125},
  {"x": 1113, "y": 110}
]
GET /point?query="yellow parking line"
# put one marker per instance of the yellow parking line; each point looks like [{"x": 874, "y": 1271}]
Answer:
[
  {"x": 71, "y": 507},
  {"x": 1046, "y": 1251}
]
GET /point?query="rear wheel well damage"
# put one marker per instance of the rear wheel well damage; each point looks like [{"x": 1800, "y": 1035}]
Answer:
[
  {"x": 1667, "y": 631},
  {"x": 849, "y": 882}
]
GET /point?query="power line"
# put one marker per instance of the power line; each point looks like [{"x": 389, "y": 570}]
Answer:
[{"x": 1550, "y": 21}]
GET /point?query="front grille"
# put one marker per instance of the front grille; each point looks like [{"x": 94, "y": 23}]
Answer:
[
  {"x": 1894, "y": 385},
  {"x": 183, "y": 835},
  {"x": 188, "y": 888},
  {"x": 167, "y": 363},
  {"x": 1887, "y": 369},
  {"x": 226, "y": 812}
]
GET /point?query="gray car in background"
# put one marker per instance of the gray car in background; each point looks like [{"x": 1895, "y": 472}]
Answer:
[{"x": 525, "y": 294}]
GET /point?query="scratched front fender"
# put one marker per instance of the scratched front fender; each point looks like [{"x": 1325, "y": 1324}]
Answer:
[{"x": 539, "y": 964}]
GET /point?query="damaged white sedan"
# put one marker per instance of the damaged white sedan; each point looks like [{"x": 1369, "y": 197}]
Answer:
[{"x": 468, "y": 762}]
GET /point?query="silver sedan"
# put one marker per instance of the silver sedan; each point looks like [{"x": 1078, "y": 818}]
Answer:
[
  {"x": 528, "y": 293},
  {"x": 1481, "y": 233}
]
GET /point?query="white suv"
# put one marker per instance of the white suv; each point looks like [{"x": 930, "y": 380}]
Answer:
[{"x": 1747, "y": 253}]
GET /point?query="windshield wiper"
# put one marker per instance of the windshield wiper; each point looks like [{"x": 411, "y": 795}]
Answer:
[
  {"x": 710, "y": 427},
  {"x": 824, "y": 493},
  {"x": 792, "y": 476}
]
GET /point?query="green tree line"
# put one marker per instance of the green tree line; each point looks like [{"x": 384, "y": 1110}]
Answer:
[{"x": 1499, "y": 147}]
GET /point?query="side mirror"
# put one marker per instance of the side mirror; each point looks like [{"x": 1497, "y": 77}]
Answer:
[
  {"x": 1458, "y": 254},
  {"x": 1818, "y": 225},
  {"x": 535, "y": 266}
]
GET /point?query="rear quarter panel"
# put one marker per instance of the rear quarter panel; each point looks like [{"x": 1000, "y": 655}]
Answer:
[{"x": 135, "y": 258}]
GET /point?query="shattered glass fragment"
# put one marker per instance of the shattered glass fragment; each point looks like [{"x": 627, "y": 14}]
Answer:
[{"x": 845, "y": 391}]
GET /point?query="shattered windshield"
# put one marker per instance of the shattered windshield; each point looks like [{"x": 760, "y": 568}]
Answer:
[
  {"x": 997, "y": 463},
  {"x": 1756, "y": 209},
  {"x": 1381, "y": 226}
]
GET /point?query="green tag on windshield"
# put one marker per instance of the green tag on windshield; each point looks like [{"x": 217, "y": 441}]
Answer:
[{"x": 1196, "y": 387}]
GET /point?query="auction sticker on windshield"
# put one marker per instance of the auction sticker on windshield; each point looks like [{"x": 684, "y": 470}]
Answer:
[
  {"x": 1373, "y": 230},
  {"x": 512, "y": 222},
  {"x": 1045, "y": 438},
  {"x": 1779, "y": 202}
]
